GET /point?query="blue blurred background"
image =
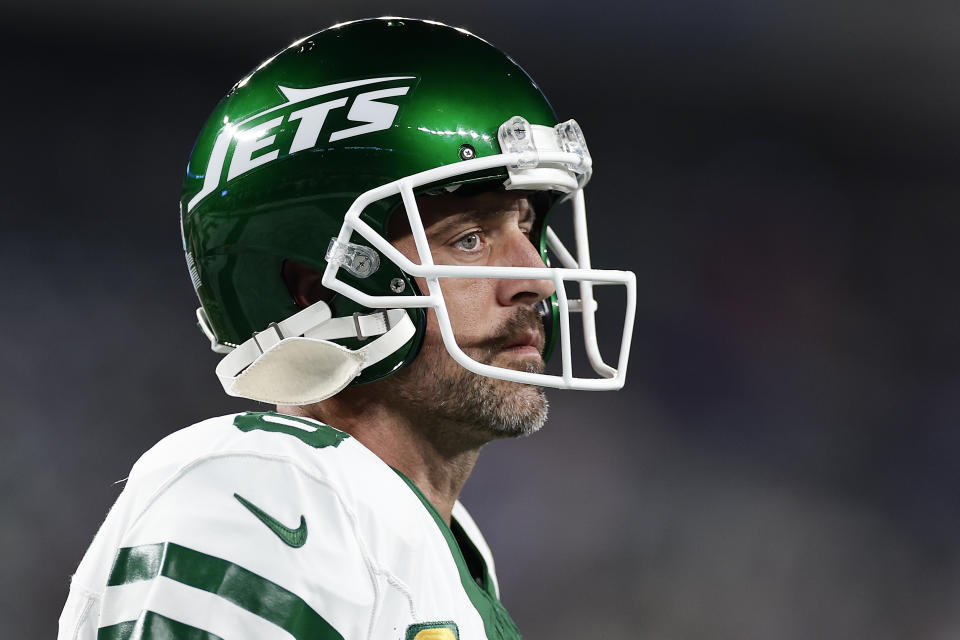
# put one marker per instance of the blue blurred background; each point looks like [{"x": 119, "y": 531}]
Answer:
[{"x": 782, "y": 176}]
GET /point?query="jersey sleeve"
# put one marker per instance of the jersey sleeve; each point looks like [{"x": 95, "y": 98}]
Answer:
[{"x": 240, "y": 546}]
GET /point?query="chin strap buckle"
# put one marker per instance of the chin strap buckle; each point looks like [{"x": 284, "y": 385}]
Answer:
[
  {"x": 380, "y": 312},
  {"x": 279, "y": 337}
]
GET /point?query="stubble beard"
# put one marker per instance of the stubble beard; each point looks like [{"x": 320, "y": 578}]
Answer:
[{"x": 471, "y": 406}]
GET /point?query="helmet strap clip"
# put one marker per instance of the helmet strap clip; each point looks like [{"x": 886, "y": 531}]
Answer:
[
  {"x": 276, "y": 328},
  {"x": 356, "y": 322}
]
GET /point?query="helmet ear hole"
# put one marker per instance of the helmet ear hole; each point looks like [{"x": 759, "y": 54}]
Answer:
[{"x": 305, "y": 284}]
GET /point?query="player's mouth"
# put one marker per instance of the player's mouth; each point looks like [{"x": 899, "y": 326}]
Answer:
[{"x": 526, "y": 343}]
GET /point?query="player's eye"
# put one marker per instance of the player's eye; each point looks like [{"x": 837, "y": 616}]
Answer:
[{"x": 469, "y": 242}]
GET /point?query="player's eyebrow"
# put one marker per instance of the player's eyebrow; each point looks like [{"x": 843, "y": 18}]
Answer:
[{"x": 460, "y": 218}]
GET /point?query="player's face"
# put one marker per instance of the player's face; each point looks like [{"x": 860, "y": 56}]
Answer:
[{"x": 495, "y": 321}]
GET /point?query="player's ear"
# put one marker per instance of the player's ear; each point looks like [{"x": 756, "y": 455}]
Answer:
[{"x": 304, "y": 283}]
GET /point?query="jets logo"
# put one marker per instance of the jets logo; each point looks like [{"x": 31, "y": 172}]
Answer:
[{"x": 252, "y": 142}]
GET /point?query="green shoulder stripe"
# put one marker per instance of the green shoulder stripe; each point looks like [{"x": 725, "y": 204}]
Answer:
[
  {"x": 134, "y": 564},
  {"x": 122, "y": 631},
  {"x": 232, "y": 582},
  {"x": 312, "y": 433},
  {"x": 153, "y": 626}
]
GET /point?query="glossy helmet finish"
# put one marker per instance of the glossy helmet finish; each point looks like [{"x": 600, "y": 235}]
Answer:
[{"x": 307, "y": 157}]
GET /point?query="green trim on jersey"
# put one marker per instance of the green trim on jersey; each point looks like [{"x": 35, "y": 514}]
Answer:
[
  {"x": 474, "y": 559},
  {"x": 153, "y": 626},
  {"x": 230, "y": 581},
  {"x": 315, "y": 434},
  {"x": 497, "y": 623}
]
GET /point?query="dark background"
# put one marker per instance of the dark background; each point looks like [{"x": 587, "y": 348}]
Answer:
[{"x": 781, "y": 176}]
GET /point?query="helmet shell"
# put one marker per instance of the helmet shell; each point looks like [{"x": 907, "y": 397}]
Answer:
[{"x": 295, "y": 142}]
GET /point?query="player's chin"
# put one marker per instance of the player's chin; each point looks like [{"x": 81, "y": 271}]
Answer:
[{"x": 525, "y": 359}]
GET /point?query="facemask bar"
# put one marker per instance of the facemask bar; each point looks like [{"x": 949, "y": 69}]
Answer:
[
  {"x": 588, "y": 306},
  {"x": 574, "y": 270}
]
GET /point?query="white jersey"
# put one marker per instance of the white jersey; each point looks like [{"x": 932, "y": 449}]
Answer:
[{"x": 259, "y": 525}]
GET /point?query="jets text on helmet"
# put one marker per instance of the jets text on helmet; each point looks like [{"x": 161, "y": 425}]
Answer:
[{"x": 365, "y": 109}]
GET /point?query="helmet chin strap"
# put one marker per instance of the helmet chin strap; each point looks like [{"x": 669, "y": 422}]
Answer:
[{"x": 296, "y": 362}]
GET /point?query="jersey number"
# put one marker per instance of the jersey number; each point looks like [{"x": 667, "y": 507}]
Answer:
[{"x": 312, "y": 433}]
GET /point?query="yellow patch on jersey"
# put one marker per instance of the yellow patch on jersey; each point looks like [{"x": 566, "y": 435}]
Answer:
[{"x": 433, "y": 631}]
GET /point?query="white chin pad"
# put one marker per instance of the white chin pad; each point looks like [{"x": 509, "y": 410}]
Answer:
[{"x": 299, "y": 371}]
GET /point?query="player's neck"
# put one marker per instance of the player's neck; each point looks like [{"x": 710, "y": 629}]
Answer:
[{"x": 435, "y": 457}]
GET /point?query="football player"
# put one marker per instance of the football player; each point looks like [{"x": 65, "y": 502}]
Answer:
[{"x": 365, "y": 220}]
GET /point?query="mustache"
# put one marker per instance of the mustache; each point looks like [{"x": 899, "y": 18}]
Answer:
[{"x": 519, "y": 323}]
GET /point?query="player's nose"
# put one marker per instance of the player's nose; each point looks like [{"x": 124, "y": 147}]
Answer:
[{"x": 522, "y": 253}]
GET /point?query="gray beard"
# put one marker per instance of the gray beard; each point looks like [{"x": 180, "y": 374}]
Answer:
[
  {"x": 490, "y": 408},
  {"x": 468, "y": 406}
]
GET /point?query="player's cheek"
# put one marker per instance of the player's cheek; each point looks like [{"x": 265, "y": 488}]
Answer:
[{"x": 476, "y": 309}]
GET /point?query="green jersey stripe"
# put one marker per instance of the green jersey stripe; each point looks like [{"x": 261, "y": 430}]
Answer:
[
  {"x": 121, "y": 631},
  {"x": 232, "y": 582},
  {"x": 153, "y": 626},
  {"x": 136, "y": 563}
]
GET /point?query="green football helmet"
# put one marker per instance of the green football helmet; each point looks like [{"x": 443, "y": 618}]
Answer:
[{"x": 307, "y": 157}]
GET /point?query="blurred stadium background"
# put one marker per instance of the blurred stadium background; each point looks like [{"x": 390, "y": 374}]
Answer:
[{"x": 782, "y": 176}]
